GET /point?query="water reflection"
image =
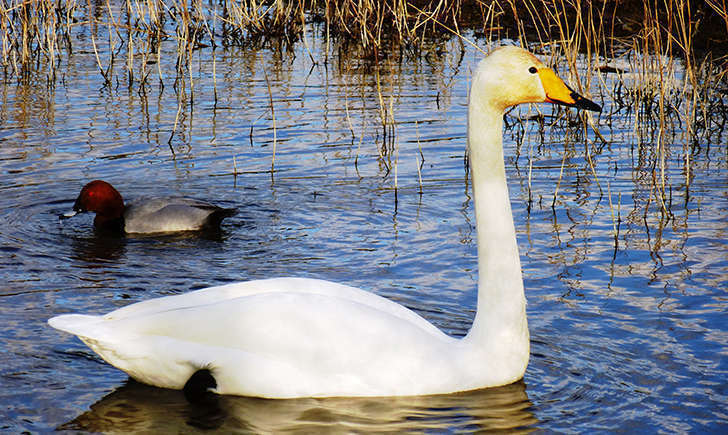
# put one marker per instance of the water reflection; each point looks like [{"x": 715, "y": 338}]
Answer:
[
  {"x": 136, "y": 407},
  {"x": 94, "y": 249},
  {"x": 628, "y": 332}
]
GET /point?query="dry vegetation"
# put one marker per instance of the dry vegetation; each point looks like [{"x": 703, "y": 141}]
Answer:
[
  {"x": 35, "y": 31},
  {"x": 640, "y": 42}
]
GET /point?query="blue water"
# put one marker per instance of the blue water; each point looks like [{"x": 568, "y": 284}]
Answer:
[{"x": 627, "y": 334}]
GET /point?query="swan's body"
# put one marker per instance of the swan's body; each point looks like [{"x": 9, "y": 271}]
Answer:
[
  {"x": 278, "y": 337},
  {"x": 291, "y": 337}
]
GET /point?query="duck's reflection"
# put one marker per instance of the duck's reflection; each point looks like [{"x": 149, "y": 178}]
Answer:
[
  {"x": 92, "y": 250},
  {"x": 104, "y": 247},
  {"x": 135, "y": 408}
]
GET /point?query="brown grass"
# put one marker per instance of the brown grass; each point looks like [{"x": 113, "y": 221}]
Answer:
[
  {"x": 651, "y": 40},
  {"x": 31, "y": 30}
]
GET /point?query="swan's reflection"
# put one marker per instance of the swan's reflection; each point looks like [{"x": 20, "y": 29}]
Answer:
[{"x": 139, "y": 408}]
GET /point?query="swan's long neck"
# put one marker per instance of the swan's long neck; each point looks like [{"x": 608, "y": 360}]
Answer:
[{"x": 501, "y": 315}]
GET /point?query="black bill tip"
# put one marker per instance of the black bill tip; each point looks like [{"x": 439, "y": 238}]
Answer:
[{"x": 584, "y": 103}]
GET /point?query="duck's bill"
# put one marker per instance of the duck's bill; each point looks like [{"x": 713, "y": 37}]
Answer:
[
  {"x": 557, "y": 92},
  {"x": 68, "y": 214}
]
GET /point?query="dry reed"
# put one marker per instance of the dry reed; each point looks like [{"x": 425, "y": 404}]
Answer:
[
  {"x": 653, "y": 39},
  {"x": 31, "y": 30}
]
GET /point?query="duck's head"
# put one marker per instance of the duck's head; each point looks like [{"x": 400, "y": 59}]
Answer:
[
  {"x": 511, "y": 75},
  {"x": 100, "y": 197}
]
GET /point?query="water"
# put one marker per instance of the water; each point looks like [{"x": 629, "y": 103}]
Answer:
[{"x": 627, "y": 338}]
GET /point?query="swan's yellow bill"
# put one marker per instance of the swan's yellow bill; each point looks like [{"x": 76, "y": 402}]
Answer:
[{"x": 558, "y": 92}]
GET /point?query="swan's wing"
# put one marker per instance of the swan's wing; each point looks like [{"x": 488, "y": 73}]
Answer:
[
  {"x": 271, "y": 343},
  {"x": 294, "y": 344},
  {"x": 216, "y": 294}
]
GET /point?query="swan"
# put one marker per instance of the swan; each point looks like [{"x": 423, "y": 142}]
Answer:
[
  {"x": 145, "y": 216},
  {"x": 300, "y": 337}
]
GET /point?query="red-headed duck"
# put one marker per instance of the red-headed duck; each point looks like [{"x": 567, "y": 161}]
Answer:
[{"x": 149, "y": 215}]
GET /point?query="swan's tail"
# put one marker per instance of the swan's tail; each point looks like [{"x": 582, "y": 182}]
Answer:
[
  {"x": 108, "y": 342},
  {"x": 94, "y": 331},
  {"x": 151, "y": 359},
  {"x": 77, "y": 324}
]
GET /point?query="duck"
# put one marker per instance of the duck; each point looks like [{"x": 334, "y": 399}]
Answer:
[
  {"x": 148, "y": 215},
  {"x": 288, "y": 337}
]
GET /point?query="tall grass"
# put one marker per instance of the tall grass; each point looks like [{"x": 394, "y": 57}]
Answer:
[
  {"x": 643, "y": 43},
  {"x": 31, "y": 30}
]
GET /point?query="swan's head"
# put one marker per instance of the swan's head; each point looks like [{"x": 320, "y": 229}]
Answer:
[{"x": 511, "y": 76}]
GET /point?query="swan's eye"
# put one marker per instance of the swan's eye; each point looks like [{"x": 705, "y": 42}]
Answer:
[{"x": 532, "y": 70}]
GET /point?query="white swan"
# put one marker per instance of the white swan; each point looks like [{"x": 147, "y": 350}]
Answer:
[{"x": 289, "y": 337}]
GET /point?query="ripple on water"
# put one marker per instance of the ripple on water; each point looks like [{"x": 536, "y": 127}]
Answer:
[{"x": 627, "y": 339}]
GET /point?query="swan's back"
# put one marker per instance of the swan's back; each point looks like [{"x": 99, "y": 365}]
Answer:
[{"x": 212, "y": 295}]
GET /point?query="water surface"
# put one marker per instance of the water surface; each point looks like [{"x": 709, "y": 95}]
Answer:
[{"x": 626, "y": 335}]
